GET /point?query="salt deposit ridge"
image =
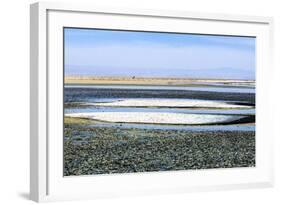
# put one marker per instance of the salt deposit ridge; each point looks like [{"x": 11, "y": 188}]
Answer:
[
  {"x": 168, "y": 103},
  {"x": 157, "y": 118}
]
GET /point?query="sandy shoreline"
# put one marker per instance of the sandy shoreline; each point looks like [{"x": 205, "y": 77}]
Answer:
[{"x": 153, "y": 81}]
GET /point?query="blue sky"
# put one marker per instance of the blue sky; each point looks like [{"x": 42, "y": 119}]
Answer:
[{"x": 149, "y": 54}]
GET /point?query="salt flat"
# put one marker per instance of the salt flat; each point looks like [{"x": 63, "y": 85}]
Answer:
[
  {"x": 168, "y": 103},
  {"x": 157, "y": 118}
]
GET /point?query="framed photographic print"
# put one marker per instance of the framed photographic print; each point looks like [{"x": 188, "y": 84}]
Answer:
[{"x": 127, "y": 102}]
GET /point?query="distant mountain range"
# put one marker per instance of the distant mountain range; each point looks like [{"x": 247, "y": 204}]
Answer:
[{"x": 217, "y": 73}]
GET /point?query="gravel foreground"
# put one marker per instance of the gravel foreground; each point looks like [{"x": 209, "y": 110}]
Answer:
[{"x": 104, "y": 150}]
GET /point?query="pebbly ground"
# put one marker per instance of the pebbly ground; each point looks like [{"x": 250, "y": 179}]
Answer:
[{"x": 103, "y": 150}]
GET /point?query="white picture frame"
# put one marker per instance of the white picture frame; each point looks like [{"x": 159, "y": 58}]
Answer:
[{"x": 46, "y": 179}]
